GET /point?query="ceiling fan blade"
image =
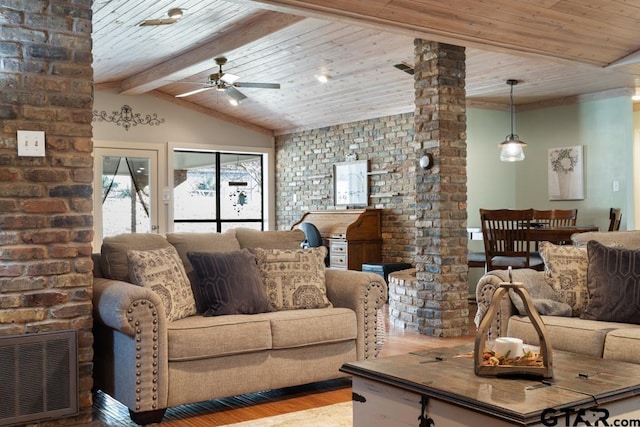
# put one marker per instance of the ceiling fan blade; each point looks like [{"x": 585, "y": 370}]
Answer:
[
  {"x": 235, "y": 94},
  {"x": 193, "y": 92},
  {"x": 258, "y": 85},
  {"x": 155, "y": 22},
  {"x": 229, "y": 78}
]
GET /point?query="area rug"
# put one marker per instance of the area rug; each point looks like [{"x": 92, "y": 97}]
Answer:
[{"x": 337, "y": 415}]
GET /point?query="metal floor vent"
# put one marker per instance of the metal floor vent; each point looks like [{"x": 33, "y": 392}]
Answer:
[{"x": 38, "y": 377}]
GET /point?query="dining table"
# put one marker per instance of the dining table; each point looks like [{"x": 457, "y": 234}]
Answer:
[
  {"x": 558, "y": 235},
  {"x": 543, "y": 233}
]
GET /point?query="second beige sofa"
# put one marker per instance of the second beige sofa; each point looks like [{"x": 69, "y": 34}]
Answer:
[{"x": 607, "y": 339}]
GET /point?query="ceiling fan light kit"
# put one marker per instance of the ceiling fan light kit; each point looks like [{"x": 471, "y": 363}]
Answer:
[
  {"x": 176, "y": 13},
  {"x": 227, "y": 83},
  {"x": 512, "y": 149}
]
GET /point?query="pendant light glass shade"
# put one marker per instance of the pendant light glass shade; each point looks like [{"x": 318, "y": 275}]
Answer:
[{"x": 512, "y": 149}]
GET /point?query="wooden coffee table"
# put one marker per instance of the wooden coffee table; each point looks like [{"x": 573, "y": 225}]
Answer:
[{"x": 436, "y": 388}]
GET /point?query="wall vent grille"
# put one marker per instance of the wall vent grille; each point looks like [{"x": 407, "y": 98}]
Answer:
[{"x": 38, "y": 377}]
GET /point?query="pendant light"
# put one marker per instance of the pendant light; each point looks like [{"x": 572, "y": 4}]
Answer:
[{"x": 512, "y": 147}]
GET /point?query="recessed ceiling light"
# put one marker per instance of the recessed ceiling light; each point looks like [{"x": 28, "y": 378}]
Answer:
[
  {"x": 322, "y": 78},
  {"x": 233, "y": 102}
]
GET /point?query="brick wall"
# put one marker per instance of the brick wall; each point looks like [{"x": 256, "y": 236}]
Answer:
[
  {"x": 424, "y": 212},
  {"x": 46, "y": 202},
  {"x": 304, "y": 178}
]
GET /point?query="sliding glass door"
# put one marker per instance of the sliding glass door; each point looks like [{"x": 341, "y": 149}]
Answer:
[{"x": 126, "y": 192}]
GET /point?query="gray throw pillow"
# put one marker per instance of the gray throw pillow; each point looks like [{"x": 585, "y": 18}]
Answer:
[
  {"x": 229, "y": 283},
  {"x": 545, "y": 300},
  {"x": 613, "y": 282}
]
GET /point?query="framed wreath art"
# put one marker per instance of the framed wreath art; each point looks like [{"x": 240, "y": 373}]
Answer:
[{"x": 565, "y": 173}]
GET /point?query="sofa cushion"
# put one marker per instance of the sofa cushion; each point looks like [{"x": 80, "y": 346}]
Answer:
[
  {"x": 294, "y": 279},
  {"x": 566, "y": 333},
  {"x": 162, "y": 271},
  {"x": 623, "y": 344},
  {"x": 297, "y": 328},
  {"x": 198, "y": 337},
  {"x": 113, "y": 259},
  {"x": 229, "y": 283},
  {"x": 613, "y": 281},
  {"x": 285, "y": 239},
  {"x": 565, "y": 269},
  {"x": 202, "y": 242}
]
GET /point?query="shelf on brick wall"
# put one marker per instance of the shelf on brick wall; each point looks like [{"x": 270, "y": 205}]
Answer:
[
  {"x": 380, "y": 195},
  {"x": 380, "y": 172},
  {"x": 318, "y": 197}
]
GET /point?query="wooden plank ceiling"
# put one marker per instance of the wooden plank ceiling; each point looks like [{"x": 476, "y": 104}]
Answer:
[{"x": 557, "y": 49}]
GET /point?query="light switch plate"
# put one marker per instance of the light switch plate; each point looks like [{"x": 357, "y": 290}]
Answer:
[{"x": 31, "y": 143}]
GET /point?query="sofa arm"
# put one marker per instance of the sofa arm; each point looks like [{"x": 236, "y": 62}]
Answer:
[
  {"x": 131, "y": 344},
  {"x": 364, "y": 293}
]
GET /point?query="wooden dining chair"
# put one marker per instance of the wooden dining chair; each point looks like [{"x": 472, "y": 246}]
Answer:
[
  {"x": 506, "y": 239},
  {"x": 555, "y": 218},
  {"x": 615, "y": 216}
]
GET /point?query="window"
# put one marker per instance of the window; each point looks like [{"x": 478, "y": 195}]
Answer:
[{"x": 217, "y": 191}]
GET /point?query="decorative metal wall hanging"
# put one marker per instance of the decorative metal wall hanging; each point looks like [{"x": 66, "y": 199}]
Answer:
[
  {"x": 126, "y": 118},
  {"x": 239, "y": 196}
]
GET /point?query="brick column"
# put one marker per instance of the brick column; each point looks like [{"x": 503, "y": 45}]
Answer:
[
  {"x": 46, "y": 224},
  {"x": 441, "y": 192}
]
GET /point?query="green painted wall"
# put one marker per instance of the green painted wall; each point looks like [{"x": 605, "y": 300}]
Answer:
[{"x": 604, "y": 127}]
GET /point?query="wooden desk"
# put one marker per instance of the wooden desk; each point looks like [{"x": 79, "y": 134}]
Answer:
[
  {"x": 353, "y": 236},
  {"x": 433, "y": 384}
]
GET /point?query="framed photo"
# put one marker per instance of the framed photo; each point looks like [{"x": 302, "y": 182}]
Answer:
[
  {"x": 566, "y": 173},
  {"x": 351, "y": 183}
]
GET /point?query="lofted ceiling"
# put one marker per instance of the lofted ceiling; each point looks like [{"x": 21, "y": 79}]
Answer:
[{"x": 556, "y": 49}]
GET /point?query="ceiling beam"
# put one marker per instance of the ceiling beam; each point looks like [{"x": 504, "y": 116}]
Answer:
[
  {"x": 372, "y": 13},
  {"x": 200, "y": 59}
]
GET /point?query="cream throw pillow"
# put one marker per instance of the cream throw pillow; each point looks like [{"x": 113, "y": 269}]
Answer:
[
  {"x": 565, "y": 270},
  {"x": 163, "y": 272},
  {"x": 294, "y": 278}
]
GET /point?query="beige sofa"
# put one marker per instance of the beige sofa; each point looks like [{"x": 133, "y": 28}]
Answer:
[
  {"x": 149, "y": 363},
  {"x": 607, "y": 339}
]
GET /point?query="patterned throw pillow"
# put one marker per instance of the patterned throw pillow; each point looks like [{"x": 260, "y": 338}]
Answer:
[
  {"x": 163, "y": 272},
  {"x": 294, "y": 278},
  {"x": 229, "y": 283},
  {"x": 614, "y": 284},
  {"x": 565, "y": 270}
]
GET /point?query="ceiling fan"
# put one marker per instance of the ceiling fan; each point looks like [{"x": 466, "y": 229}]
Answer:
[
  {"x": 227, "y": 83},
  {"x": 174, "y": 16}
]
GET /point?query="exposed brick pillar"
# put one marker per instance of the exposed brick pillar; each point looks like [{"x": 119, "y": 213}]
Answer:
[
  {"x": 441, "y": 192},
  {"x": 46, "y": 224}
]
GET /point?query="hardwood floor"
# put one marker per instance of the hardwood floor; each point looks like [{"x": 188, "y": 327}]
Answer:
[{"x": 108, "y": 412}]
